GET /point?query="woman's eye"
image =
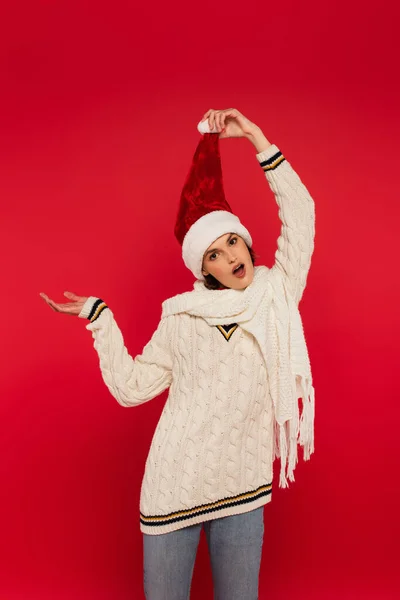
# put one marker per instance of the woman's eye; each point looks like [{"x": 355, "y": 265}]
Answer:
[
  {"x": 233, "y": 240},
  {"x": 211, "y": 256}
]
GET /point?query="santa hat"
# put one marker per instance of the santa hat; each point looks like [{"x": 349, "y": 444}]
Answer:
[{"x": 204, "y": 213}]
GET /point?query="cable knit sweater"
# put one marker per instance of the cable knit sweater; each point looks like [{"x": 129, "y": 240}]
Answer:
[{"x": 213, "y": 448}]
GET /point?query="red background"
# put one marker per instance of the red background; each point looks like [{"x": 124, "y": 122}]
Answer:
[{"x": 99, "y": 106}]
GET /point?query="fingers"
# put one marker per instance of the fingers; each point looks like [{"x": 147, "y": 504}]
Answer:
[
  {"x": 229, "y": 112},
  {"x": 210, "y": 114},
  {"x": 50, "y": 302},
  {"x": 216, "y": 118},
  {"x": 223, "y": 117},
  {"x": 72, "y": 296},
  {"x": 68, "y": 308},
  {"x": 47, "y": 299},
  {"x": 205, "y": 116}
]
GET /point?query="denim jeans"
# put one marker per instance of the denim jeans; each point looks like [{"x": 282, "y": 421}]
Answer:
[{"x": 234, "y": 544}]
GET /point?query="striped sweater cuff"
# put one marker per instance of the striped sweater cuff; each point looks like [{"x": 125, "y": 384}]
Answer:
[
  {"x": 92, "y": 308},
  {"x": 270, "y": 158}
]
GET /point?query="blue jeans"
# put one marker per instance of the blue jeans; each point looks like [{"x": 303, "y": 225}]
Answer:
[{"x": 234, "y": 543}]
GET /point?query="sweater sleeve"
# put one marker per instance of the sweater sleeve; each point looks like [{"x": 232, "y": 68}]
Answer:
[
  {"x": 297, "y": 214},
  {"x": 131, "y": 381}
]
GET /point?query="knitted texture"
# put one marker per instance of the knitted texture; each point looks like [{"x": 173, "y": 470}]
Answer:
[
  {"x": 214, "y": 440},
  {"x": 213, "y": 448}
]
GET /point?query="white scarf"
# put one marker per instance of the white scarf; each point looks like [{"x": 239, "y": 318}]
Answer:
[{"x": 267, "y": 310}]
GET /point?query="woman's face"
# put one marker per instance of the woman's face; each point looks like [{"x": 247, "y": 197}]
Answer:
[{"x": 221, "y": 258}]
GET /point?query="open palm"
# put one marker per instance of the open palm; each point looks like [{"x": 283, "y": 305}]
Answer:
[{"x": 69, "y": 308}]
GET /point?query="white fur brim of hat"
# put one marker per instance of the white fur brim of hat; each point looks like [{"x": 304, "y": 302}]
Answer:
[{"x": 204, "y": 232}]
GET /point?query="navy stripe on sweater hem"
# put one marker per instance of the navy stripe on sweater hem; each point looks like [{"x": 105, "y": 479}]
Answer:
[{"x": 157, "y": 521}]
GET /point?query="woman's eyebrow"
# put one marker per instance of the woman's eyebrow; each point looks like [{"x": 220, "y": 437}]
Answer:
[{"x": 215, "y": 249}]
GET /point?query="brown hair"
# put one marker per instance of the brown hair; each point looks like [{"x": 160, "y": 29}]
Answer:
[{"x": 212, "y": 283}]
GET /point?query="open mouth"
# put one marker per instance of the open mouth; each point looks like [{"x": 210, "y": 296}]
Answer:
[{"x": 239, "y": 271}]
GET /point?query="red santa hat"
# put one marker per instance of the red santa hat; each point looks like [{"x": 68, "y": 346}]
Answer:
[{"x": 204, "y": 213}]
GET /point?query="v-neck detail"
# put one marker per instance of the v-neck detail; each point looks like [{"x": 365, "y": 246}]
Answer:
[{"x": 227, "y": 330}]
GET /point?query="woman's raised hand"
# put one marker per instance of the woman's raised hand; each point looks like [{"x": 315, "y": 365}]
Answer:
[
  {"x": 230, "y": 123},
  {"x": 69, "y": 308}
]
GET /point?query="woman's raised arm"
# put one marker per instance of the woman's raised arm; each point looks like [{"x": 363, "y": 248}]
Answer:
[
  {"x": 296, "y": 207},
  {"x": 297, "y": 214}
]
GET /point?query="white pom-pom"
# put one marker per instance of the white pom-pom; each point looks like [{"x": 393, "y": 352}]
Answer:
[{"x": 204, "y": 127}]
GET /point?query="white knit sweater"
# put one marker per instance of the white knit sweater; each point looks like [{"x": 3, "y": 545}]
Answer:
[{"x": 213, "y": 448}]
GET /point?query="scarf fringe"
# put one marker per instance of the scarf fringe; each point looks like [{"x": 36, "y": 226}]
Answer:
[{"x": 296, "y": 431}]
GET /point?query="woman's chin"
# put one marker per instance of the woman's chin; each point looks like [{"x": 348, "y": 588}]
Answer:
[{"x": 239, "y": 283}]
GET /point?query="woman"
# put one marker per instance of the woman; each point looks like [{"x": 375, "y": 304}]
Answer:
[{"x": 233, "y": 354}]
